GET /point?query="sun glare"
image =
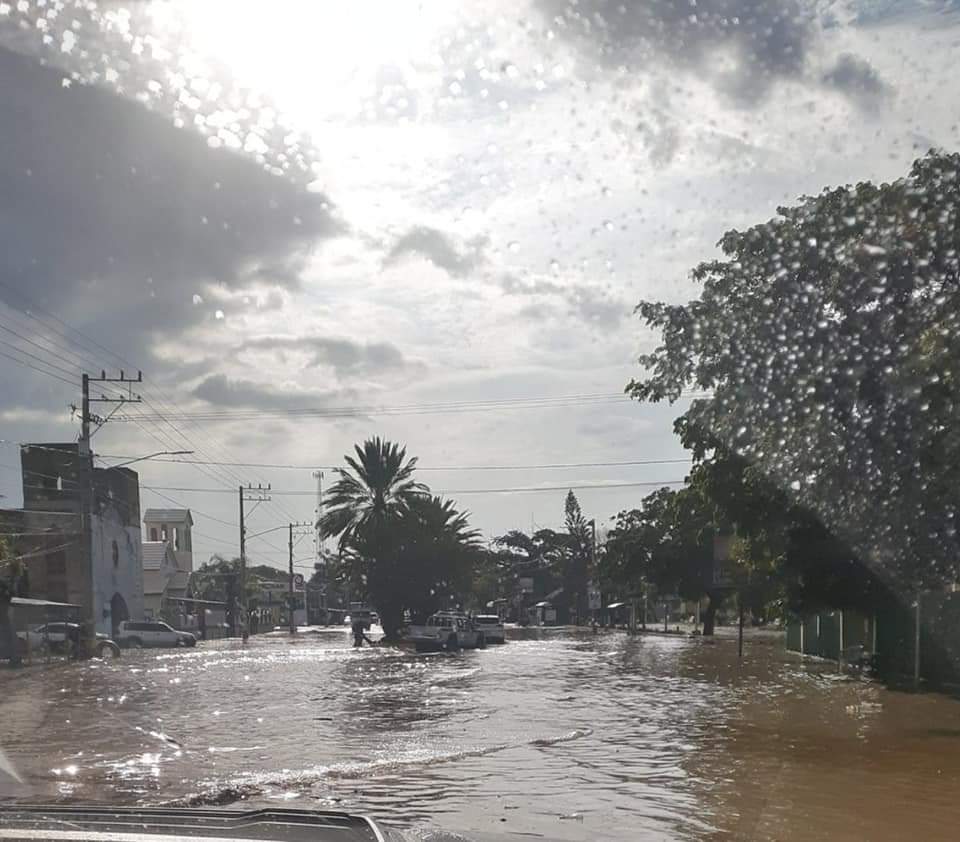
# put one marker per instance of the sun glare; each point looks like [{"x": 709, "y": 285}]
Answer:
[{"x": 311, "y": 58}]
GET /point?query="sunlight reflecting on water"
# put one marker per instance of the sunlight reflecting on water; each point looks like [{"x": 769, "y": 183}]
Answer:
[{"x": 561, "y": 734}]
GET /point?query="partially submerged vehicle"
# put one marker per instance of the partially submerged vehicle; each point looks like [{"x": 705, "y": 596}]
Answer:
[
  {"x": 492, "y": 627},
  {"x": 450, "y": 630}
]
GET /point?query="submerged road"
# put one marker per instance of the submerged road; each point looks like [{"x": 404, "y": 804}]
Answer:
[{"x": 558, "y": 734}]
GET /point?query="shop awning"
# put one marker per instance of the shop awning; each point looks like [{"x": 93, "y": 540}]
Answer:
[
  {"x": 543, "y": 604},
  {"x": 41, "y": 603},
  {"x": 616, "y": 605}
]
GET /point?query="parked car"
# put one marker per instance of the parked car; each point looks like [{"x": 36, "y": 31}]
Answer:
[
  {"x": 137, "y": 634},
  {"x": 492, "y": 627},
  {"x": 450, "y": 630},
  {"x": 54, "y": 637}
]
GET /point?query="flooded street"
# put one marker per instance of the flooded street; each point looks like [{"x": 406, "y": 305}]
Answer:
[{"x": 557, "y": 734}]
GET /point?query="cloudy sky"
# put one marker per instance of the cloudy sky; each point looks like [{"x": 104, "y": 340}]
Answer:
[{"x": 427, "y": 220}]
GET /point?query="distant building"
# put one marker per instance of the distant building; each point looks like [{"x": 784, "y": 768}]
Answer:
[
  {"x": 174, "y": 526},
  {"x": 162, "y": 578},
  {"x": 109, "y": 587}
]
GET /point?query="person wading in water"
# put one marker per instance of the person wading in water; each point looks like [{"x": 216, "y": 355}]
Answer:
[{"x": 358, "y": 635}]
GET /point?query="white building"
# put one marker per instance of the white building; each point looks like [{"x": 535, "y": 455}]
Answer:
[
  {"x": 160, "y": 572},
  {"x": 173, "y": 526}
]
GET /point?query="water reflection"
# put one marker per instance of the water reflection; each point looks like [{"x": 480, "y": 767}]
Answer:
[{"x": 568, "y": 736}]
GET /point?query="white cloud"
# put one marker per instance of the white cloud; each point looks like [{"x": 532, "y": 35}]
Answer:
[{"x": 458, "y": 241}]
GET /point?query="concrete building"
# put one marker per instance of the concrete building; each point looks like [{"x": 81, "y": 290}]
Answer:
[{"x": 109, "y": 586}]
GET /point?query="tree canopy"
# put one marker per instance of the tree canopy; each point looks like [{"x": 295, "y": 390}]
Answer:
[
  {"x": 828, "y": 339},
  {"x": 404, "y": 549}
]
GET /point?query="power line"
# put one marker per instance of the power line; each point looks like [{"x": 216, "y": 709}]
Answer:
[
  {"x": 44, "y": 551},
  {"x": 532, "y": 488},
  {"x": 36, "y": 344},
  {"x": 33, "y": 356},
  {"x": 38, "y": 370},
  {"x": 531, "y": 467},
  {"x": 410, "y": 409},
  {"x": 87, "y": 342}
]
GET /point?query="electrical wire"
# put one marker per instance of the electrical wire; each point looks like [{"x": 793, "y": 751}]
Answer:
[
  {"x": 528, "y": 467},
  {"x": 507, "y": 490}
]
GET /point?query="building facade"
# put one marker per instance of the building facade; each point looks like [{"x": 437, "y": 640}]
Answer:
[{"x": 107, "y": 585}]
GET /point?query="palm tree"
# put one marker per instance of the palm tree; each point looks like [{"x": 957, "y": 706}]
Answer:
[
  {"x": 365, "y": 508},
  {"x": 438, "y": 555},
  {"x": 375, "y": 489}
]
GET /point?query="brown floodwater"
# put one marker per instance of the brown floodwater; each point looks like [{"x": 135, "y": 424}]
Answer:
[{"x": 557, "y": 735}]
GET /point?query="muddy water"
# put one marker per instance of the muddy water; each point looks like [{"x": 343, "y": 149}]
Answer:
[{"x": 560, "y": 735}]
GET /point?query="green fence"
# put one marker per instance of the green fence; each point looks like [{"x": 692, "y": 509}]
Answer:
[{"x": 889, "y": 636}]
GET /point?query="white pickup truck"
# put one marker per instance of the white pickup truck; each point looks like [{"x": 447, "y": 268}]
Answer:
[{"x": 450, "y": 630}]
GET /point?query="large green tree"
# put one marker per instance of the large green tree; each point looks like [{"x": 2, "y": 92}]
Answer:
[
  {"x": 665, "y": 547},
  {"x": 406, "y": 550},
  {"x": 828, "y": 339}
]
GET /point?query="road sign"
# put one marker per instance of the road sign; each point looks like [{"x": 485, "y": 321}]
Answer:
[{"x": 298, "y": 580}]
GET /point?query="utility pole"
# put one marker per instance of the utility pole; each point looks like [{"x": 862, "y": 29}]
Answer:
[
  {"x": 290, "y": 601},
  {"x": 321, "y": 563},
  {"x": 248, "y": 494},
  {"x": 85, "y": 470}
]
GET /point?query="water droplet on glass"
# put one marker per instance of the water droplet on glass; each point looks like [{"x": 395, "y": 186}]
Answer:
[
  {"x": 197, "y": 299},
  {"x": 219, "y": 314},
  {"x": 608, "y": 224},
  {"x": 514, "y": 246}
]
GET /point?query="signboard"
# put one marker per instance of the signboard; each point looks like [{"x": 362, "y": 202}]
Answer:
[
  {"x": 526, "y": 584},
  {"x": 298, "y": 580}
]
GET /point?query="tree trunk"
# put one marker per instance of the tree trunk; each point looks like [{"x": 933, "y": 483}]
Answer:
[
  {"x": 709, "y": 614},
  {"x": 391, "y": 620}
]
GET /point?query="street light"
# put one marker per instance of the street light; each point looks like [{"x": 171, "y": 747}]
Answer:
[{"x": 152, "y": 455}]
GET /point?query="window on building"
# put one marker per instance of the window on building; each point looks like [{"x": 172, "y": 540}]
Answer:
[
  {"x": 163, "y": 532},
  {"x": 116, "y": 554},
  {"x": 153, "y": 533},
  {"x": 176, "y": 538}
]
